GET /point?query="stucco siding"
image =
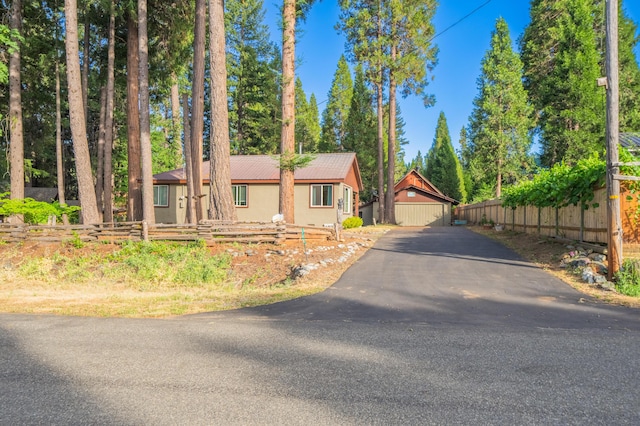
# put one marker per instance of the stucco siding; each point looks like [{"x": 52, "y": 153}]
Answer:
[{"x": 262, "y": 203}]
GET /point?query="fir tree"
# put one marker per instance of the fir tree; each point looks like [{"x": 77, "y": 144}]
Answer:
[
  {"x": 307, "y": 126},
  {"x": 252, "y": 81},
  {"x": 561, "y": 63},
  {"x": 417, "y": 163},
  {"x": 629, "y": 74},
  {"x": 360, "y": 134},
  {"x": 443, "y": 168},
  {"x": 334, "y": 117},
  {"x": 500, "y": 123}
]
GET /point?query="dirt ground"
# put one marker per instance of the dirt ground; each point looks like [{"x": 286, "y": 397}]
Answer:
[
  {"x": 260, "y": 273},
  {"x": 547, "y": 253}
]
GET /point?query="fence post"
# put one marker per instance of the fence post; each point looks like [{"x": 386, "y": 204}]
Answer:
[
  {"x": 539, "y": 218},
  {"x": 581, "y": 223},
  {"x": 145, "y": 231},
  {"x": 557, "y": 221}
]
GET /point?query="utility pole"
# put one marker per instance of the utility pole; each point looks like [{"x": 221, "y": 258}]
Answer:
[{"x": 614, "y": 227}]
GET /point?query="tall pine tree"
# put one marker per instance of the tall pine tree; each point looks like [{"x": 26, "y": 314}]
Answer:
[
  {"x": 443, "y": 168},
  {"x": 307, "y": 126},
  {"x": 252, "y": 80},
  {"x": 500, "y": 123},
  {"x": 360, "y": 135},
  {"x": 629, "y": 74},
  {"x": 561, "y": 63},
  {"x": 334, "y": 117}
]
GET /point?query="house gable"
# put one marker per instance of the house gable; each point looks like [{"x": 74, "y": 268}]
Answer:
[
  {"x": 414, "y": 187},
  {"x": 416, "y": 180}
]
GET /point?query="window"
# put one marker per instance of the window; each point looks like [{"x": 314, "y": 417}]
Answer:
[
  {"x": 161, "y": 195},
  {"x": 348, "y": 200},
  {"x": 411, "y": 194},
  {"x": 239, "y": 195},
  {"x": 321, "y": 195}
]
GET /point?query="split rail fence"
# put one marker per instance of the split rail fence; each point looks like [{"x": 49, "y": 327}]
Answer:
[
  {"x": 570, "y": 222},
  {"x": 209, "y": 231}
]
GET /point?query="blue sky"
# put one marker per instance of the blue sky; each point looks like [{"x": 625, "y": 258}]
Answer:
[{"x": 461, "y": 50}]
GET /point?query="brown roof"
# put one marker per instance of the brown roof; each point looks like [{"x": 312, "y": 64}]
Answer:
[{"x": 332, "y": 167}]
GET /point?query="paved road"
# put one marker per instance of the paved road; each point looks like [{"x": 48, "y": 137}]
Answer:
[{"x": 435, "y": 326}]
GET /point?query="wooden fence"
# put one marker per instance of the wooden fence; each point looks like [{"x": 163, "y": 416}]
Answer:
[
  {"x": 570, "y": 222},
  {"x": 209, "y": 231}
]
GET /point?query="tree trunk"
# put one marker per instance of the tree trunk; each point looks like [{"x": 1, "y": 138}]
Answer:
[
  {"x": 391, "y": 149},
  {"x": 380, "y": 137},
  {"x": 100, "y": 152},
  {"x": 175, "y": 115},
  {"x": 108, "y": 122},
  {"x": 15, "y": 115},
  {"x": 287, "y": 142},
  {"x": 148, "y": 213},
  {"x": 59, "y": 160},
  {"x": 89, "y": 212},
  {"x": 85, "y": 65},
  {"x": 134, "y": 172},
  {"x": 380, "y": 113},
  {"x": 197, "y": 105},
  {"x": 221, "y": 203},
  {"x": 191, "y": 207}
]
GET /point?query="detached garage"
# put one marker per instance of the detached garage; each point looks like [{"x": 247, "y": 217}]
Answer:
[{"x": 418, "y": 203}]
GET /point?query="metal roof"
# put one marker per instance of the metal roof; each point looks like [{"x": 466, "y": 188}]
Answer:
[
  {"x": 630, "y": 140},
  {"x": 323, "y": 167}
]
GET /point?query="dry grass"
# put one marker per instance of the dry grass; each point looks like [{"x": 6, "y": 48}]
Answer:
[
  {"x": 65, "y": 280},
  {"x": 547, "y": 253},
  {"x": 34, "y": 280}
]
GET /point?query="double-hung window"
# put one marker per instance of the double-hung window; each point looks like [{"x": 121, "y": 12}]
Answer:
[
  {"x": 239, "y": 195},
  {"x": 161, "y": 195},
  {"x": 322, "y": 195}
]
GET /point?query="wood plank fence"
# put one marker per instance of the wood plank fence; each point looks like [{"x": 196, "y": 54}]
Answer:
[
  {"x": 209, "y": 231},
  {"x": 570, "y": 222}
]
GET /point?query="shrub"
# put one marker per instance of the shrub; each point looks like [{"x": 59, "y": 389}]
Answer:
[
  {"x": 352, "y": 222},
  {"x": 628, "y": 278},
  {"x": 35, "y": 212}
]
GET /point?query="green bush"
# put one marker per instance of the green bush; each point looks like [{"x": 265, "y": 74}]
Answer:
[
  {"x": 352, "y": 222},
  {"x": 35, "y": 212},
  {"x": 628, "y": 278}
]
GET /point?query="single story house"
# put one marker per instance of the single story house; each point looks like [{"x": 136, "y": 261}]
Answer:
[
  {"x": 418, "y": 203},
  {"x": 328, "y": 183}
]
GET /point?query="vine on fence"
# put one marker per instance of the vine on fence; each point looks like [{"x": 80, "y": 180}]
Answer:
[
  {"x": 559, "y": 186},
  {"x": 562, "y": 185}
]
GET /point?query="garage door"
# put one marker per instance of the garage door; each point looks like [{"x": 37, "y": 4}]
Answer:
[{"x": 423, "y": 214}]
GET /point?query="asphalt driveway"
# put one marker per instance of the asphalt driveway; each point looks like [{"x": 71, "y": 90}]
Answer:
[{"x": 431, "y": 326}]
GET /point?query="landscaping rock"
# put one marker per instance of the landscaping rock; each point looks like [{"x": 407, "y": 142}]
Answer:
[
  {"x": 301, "y": 271},
  {"x": 600, "y": 279},
  {"x": 597, "y": 257},
  {"x": 579, "y": 262},
  {"x": 607, "y": 285},
  {"x": 588, "y": 276},
  {"x": 599, "y": 268}
]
